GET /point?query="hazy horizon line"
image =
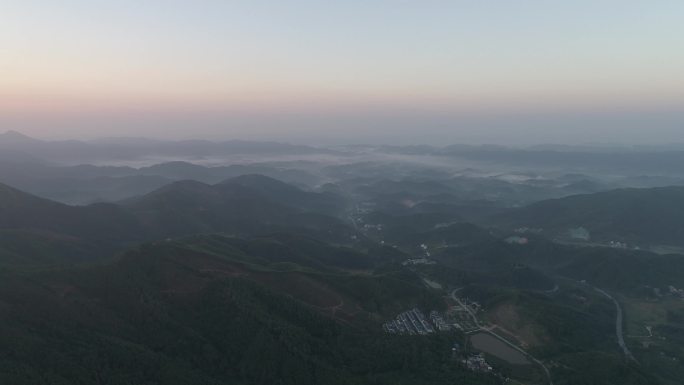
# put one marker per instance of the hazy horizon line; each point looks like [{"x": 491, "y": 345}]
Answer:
[{"x": 215, "y": 139}]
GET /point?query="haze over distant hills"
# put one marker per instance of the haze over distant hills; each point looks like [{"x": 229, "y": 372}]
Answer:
[
  {"x": 109, "y": 170},
  {"x": 625, "y": 159},
  {"x": 341, "y": 192},
  {"x": 119, "y": 149},
  {"x": 205, "y": 268}
]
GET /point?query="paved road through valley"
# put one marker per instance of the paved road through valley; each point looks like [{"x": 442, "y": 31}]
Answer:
[{"x": 618, "y": 325}]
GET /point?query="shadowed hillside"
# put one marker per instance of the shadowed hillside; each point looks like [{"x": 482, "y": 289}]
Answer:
[
  {"x": 178, "y": 209},
  {"x": 642, "y": 216}
]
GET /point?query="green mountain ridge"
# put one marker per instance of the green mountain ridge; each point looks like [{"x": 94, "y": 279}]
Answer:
[
  {"x": 178, "y": 209},
  {"x": 650, "y": 216}
]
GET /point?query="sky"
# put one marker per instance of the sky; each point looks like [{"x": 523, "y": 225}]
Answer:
[{"x": 352, "y": 71}]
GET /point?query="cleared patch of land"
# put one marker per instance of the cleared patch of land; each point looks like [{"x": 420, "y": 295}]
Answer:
[
  {"x": 507, "y": 319},
  {"x": 644, "y": 312}
]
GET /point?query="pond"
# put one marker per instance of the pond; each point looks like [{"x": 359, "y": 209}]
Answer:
[{"x": 486, "y": 343}]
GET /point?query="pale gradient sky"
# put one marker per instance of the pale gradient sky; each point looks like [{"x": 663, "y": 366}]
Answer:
[{"x": 353, "y": 71}]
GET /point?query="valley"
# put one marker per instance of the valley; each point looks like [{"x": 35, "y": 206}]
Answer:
[
  {"x": 341, "y": 192},
  {"x": 357, "y": 273}
]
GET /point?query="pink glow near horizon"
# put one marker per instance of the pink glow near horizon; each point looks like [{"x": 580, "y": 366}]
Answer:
[{"x": 84, "y": 66}]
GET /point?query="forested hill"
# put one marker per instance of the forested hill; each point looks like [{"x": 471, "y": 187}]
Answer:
[
  {"x": 214, "y": 311},
  {"x": 41, "y": 230},
  {"x": 649, "y": 216}
]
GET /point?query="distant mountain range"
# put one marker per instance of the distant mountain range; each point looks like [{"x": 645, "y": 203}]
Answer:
[
  {"x": 287, "y": 271},
  {"x": 635, "y": 160},
  {"x": 252, "y": 280},
  {"x": 84, "y": 184},
  {"x": 116, "y": 149}
]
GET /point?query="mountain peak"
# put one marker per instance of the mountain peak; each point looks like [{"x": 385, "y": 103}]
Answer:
[
  {"x": 260, "y": 181},
  {"x": 15, "y": 136}
]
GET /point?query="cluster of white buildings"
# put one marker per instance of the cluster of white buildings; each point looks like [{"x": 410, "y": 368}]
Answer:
[
  {"x": 418, "y": 261},
  {"x": 528, "y": 230},
  {"x": 477, "y": 363},
  {"x": 414, "y": 322},
  {"x": 515, "y": 240},
  {"x": 439, "y": 321},
  {"x": 617, "y": 245},
  {"x": 676, "y": 292}
]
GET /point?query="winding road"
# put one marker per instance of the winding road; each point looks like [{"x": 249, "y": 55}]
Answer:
[{"x": 618, "y": 325}]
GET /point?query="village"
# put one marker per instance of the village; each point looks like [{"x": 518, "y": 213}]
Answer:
[
  {"x": 457, "y": 317},
  {"x": 414, "y": 321}
]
